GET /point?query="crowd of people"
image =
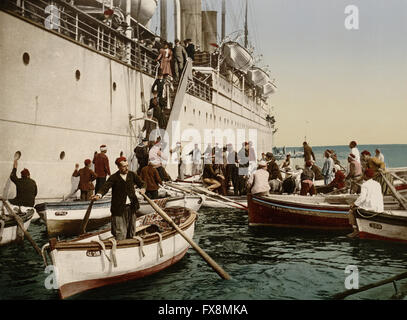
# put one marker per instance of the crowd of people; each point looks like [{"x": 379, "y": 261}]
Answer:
[{"x": 220, "y": 168}]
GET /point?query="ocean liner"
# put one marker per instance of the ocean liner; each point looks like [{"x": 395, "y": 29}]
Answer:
[{"x": 73, "y": 81}]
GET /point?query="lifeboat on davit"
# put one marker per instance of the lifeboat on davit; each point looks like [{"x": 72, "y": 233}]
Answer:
[
  {"x": 268, "y": 89},
  {"x": 141, "y": 10},
  {"x": 257, "y": 76},
  {"x": 237, "y": 56}
]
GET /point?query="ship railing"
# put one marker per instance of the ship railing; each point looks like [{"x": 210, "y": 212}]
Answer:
[
  {"x": 65, "y": 19},
  {"x": 200, "y": 89}
]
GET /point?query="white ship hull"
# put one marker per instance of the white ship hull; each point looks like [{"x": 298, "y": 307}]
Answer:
[{"x": 46, "y": 112}]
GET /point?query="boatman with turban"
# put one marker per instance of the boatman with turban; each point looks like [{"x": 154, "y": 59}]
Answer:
[
  {"x": 124, "y": 204},
  {"x": 26, "y": 187},
  {"x": 102, "y": 169},
  {"x": 86, "y": 175},
  {"x": 370, "y": 199}
]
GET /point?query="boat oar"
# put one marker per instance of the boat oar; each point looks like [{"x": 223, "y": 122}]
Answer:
[
  {"x": 397, "y": 177},
  {"x": 86, "y": 218},
  {"x": 222, "y": 273},
  {"x": 402, "y": 200},
  {"x": 220, "y": 196},
  {"x": 177, "y": 188},
  {"x": 21, "y": 226},
  {"x": 369, "y": 286}
]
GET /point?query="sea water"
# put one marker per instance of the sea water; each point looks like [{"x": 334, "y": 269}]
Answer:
[{"x": 264, "y": 263}]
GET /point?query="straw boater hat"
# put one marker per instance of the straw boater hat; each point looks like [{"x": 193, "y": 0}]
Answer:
[{"x": 103, "y": 147}]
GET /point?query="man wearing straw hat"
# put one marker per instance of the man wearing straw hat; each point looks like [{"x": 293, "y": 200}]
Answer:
[{"x": 124, "y": 200}]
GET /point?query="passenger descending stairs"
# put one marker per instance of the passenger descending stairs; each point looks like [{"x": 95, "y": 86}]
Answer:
[{"x": 177, "y": 96}]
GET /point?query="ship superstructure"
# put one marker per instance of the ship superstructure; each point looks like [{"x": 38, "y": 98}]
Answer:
[{"x": 73, "y": 81}]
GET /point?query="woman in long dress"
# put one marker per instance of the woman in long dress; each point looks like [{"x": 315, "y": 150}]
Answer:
[{"x": 165, "y": 58}]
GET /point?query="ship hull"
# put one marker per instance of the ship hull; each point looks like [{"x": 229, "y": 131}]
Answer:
[{"x": 69, "y": 98}]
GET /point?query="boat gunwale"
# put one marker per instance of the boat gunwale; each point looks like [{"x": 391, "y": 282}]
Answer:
[{"x": 69, "y": 245}]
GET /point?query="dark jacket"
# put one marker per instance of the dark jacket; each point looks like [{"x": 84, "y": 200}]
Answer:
[
  {"x": 141, "y": 152},
  {"x": 190, "y": 49},
  {"x": 274, "y": 171},
  {"x": 120, "y": 190},
  {"x": 159, "y": 83},
  {"x": 150, "y": 175},
  {"x": 209, "y": 172},
  {"x": 26, "y": 190}
]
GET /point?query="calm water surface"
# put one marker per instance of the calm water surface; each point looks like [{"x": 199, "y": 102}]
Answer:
[{"x": 264, "y": 264}]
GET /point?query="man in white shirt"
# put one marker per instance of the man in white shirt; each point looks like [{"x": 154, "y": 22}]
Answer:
[
  {"x": 259, "y": 180},
  {"x": 370, "y": 198},
  {"x": 354, "y": 150},
  {"x": 157, "y": 157}
]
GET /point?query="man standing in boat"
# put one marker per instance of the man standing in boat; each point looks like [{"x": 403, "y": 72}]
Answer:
[
  {"x": 308, "y": 153},
  {"x": 124, "y": 200},
  {"x": 370, "y": 199},
  {"x": 102, "y": 169},
  {"x": 26, "y": 187},
  {"x": 85, "y": 181}
]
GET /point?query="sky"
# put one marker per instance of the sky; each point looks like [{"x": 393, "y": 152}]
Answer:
[{"x": 334, "y": 85}]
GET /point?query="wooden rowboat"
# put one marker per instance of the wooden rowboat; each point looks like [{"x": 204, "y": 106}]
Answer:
[
  {"x": 65, "y": 218},
  {"x": 295, "y": 211},
  {"x": 97, "y": 259},
  {"x": 390, "y": 225},
  {"x": 9, "y": 230}
]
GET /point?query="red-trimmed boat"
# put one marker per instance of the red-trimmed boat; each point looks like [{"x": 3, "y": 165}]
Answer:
[
  {"x": 96, "y": 259},
  {"x": 390, "y": 225},
  {"x": 295, "y": 211}
]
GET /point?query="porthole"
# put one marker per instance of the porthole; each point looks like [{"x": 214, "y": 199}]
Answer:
[
  {"x": 62, "y": 155},
  {"x": 77, "y": 75},
  {"x": 26, "y": 58},
  {"x": 194, "y": 111},
  {"x": 185, "y": 109},
  {"x": 114, "y": 86}
]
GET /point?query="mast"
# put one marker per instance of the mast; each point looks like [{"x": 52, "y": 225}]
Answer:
[
  {"x": 246, "y": 32},
  {"x": 163, "y": 19},
  {"x": 223, "y": 19}
]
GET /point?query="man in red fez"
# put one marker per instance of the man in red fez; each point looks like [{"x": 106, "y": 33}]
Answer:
[
  {"x": 370, "y": 199},
  {"x": 124, "y": 202},
  {"x": 86, "y": 175},
  {"x": 102, "y": 169},
  {"x": 25, "y": 186}
]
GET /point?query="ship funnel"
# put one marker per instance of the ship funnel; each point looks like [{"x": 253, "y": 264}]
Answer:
[
  {"x": 191, "y": 21},
  {"x": 209, "y": 30}
]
